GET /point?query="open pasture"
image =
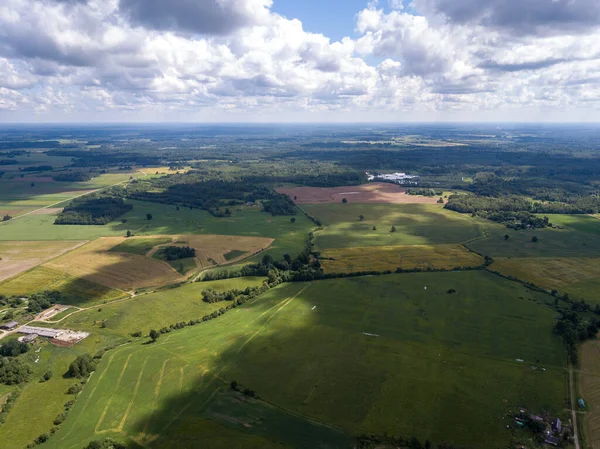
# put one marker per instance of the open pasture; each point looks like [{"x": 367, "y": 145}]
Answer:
[
  {"x": 375, "y": 192},
  {"x": 416, "y": 224},
  {"x": 374, "y": 354},
  {"x": 16, "y": 257},
  {"x": 579, "y": 277},
  {"x": 589, "y": 389},
  {"x": 579, "y": 238},
  {"x": 383, "y": 258},
  {"x": 155, "y": 310},
  {"x": 124, "y": 271},
  {"x": 76, "y": 290}
]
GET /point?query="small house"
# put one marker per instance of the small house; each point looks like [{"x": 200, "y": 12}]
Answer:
[
  {"x": 553, "y": 441},
  {"x": 581, "y": 403},
  {"x": 557, "y": 425},
  {"x": 10, "y": 325}
]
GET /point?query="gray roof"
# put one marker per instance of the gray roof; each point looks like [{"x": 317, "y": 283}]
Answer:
[
  {"x": 551, "y": 440},
  {"x": 41, "y": 331},
  {"x": 10, "y": 324}
]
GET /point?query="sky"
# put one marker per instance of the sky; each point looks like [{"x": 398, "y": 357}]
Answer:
[{"x": 299, "y": 60}]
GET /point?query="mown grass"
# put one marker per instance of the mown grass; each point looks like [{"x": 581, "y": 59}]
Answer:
[
  {"x": 155, "y": 310},
  {"x": 75, "y": 290},
  {"x": 140, "y": 245},
  {"x": 234, "y": 254},
  {"x": 589, "y": 390},
  {"x": 416, "y": 224},
  {"x": 384, "y": 258},
  {"x": 579, "y": 277},
  {"x": 438, "y": 366}
]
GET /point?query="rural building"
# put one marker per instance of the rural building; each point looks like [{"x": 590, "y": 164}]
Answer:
[
  {"x": 10, "y": 325},
  {"x": 557, "y": 425},
  {"x": 29, "y": 338},
  {"x": 41, "y": 331},
  {"x": 536, "y": 418},
  {"x": 581, "y": 403},
  {"x": 551, "y": 440}
]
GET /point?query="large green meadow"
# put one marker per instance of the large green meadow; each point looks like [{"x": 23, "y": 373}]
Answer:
[
  {"x": 396, "y": 354},
  {"x": 415, "y": 224}
]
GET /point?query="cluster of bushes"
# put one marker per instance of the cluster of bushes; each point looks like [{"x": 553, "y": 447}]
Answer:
[
  {"x": 60, "y": 418},
  {"x": 13, "y": 348},
  {"x": 42, "y": 301},
  {"x": 107, "y": 443},
  {"x": 424, "y": 192},
  {"x": 373, "y": 441},
  {"x": 13, "y": 371},
  {"x": 93, "y": 211},
  {"x": 12, "y": 301},
  {"x": 245, "y": 391},
  {"x": 575, "y": 327},
  {"x": 12, "y": 398},
  {"x": 82, "y": 366},
  {"x": 176, "y": 252}
]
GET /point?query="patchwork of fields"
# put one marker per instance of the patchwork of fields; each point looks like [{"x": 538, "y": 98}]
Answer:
[{"x": 406, "y": 353}]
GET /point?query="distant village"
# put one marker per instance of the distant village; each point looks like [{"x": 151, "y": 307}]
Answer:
[{"x": 399, "y": 178}]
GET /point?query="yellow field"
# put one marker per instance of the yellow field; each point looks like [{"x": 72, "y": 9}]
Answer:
[
  {"x": 162, "y": 170},
  {"x": 211, "y": 249},
  {"x": 383, "y": 258},
  {"x": 123, "y": 271},
  {"x": 589, "y": 389},
  {"x": 574, "y": 275},
  {"x": 16, "y": 257},
  {"x": 42, "y": 278}
]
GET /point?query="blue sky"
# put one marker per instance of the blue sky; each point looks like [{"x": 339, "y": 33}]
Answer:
[{"x": 283, "y": 60}]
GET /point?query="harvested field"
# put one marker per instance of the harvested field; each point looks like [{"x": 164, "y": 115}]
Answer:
[
  {"x": 577, "y": 276},
  {"x": 17, "y": 257},
  {"x": 376, "y": 192},
  {"x": 94, "y": 262},
  {"x": 589, "y": 390},
  {"x": 383, "y": 258},
  {"x": 48, "y": 211}
]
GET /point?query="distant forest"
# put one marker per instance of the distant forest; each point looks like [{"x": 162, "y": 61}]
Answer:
[{"x": 93, "y": 211}]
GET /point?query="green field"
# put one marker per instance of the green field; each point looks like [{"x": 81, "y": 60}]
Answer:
[
  {"x": 140, "y": 246},
  {"x": 289, "y": 237},
  {"x": 416, "y": 224},
  {"x": 579, "y": 238},
  {"x": 155, "y": 310},
  {"x": 448, "y": 356},
  {"x": 75, "y": 290}
]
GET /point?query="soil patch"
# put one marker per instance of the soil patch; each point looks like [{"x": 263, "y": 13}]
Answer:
[
  {"x": 376, "y": 192},
  {"x": 48, "y": 211}
]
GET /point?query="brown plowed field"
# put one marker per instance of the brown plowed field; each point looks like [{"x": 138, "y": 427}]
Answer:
[{"x": 375, "y": 192}]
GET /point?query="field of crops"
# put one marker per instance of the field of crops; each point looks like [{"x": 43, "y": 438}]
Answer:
[
  {"x": 384, "y": 258},
  {"x": 589, "y": 389},
  {"x": 415, "y": 224},
  {"x": 579, "y": 277},
  {"x": 403, "y": 346}
]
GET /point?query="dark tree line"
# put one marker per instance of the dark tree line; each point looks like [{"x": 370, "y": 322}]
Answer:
[
  {"x": 76, "y": 176},
  {"x": 37, "y": 168},
  {"x": 374, "y": 441},
  {"x": 176, "y": 252},
  {"x": 93, "y": 211},
  {"x": 424, "y": 192},
  {"x": 575, "y": 326}
]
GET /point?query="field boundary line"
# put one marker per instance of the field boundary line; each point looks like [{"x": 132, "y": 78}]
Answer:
[
  {"x": 135, "y": 390},
  {"x": 101, "y": 419},
  {"x": 156, "y": 393}
]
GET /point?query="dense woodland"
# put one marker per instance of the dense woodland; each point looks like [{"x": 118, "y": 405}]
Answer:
[{"x": 89, "y": 210}]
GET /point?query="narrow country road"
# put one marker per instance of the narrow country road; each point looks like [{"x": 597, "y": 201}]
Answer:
[{"x": 573, "y": 413}]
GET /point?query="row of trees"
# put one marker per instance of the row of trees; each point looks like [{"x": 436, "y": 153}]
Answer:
[{"x": 374, "y": 441}]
